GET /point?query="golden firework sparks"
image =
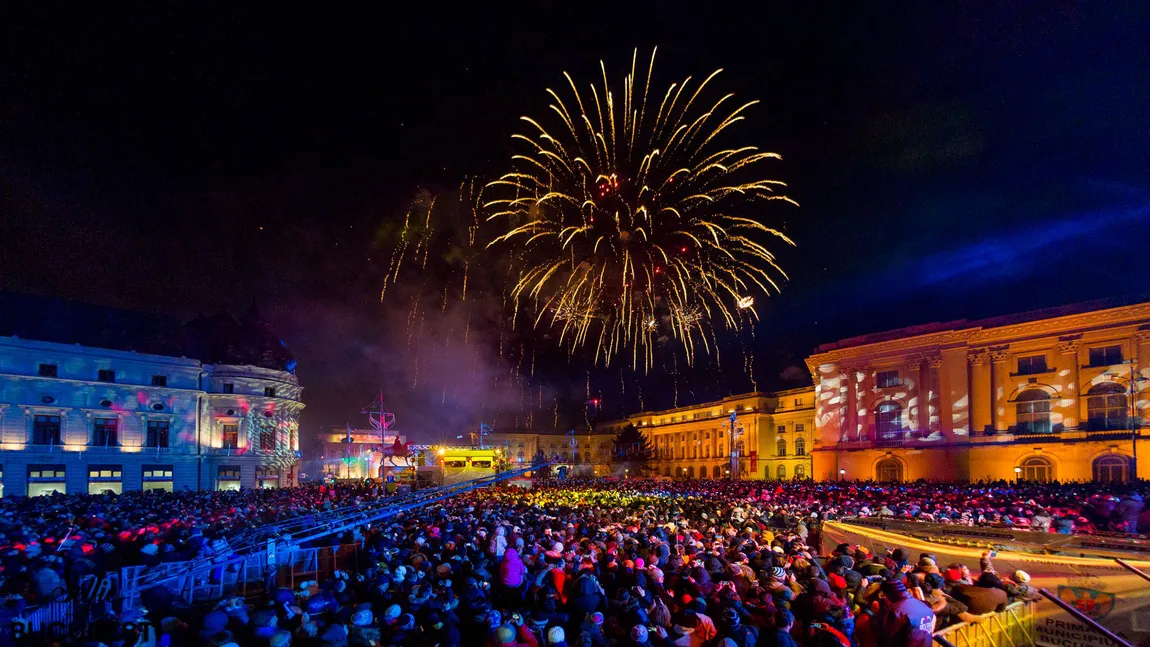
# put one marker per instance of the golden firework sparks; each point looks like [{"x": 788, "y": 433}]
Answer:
[{"x": 629, "y": 222}]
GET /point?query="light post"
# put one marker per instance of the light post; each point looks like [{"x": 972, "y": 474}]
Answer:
[
  {"x": 734, "y": 430},
  {"x": 1017, "y": 473},
  {"x": 684, "y": 473},
  {"x": 842, "y": 474}
]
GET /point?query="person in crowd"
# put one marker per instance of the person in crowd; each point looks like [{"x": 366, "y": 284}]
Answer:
[{"x": 587, "y": 563}]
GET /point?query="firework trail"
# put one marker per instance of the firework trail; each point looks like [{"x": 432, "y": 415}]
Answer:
[{"x": 628, "y": 223}]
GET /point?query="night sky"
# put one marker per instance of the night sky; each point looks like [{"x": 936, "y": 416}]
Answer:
[{"x": 968, "y": 161}]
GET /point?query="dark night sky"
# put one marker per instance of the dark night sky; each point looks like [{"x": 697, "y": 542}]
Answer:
[{"x": 980, "y": 159}]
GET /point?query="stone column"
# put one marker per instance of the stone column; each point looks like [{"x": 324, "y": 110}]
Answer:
[
  {"x": 866, "y": 404},
  {"x": 921, "y": 396},
  {"x": 850, "y": 404},
  {"x": 1067, "y": 348},
  {"x": 980, "y": 393},
  {"x": 844, "y": 405},
  {"x": 999, "y": 381}
]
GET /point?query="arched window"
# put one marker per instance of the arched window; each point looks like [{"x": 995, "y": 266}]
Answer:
[
  {"x": 1038, "y": 469},
  {"x": 888, "y": 420},
  {"x": 703, "y": 472},
  {"x": 739, "y": 448},
  {"x": 520, "y": 456},
  {"x": 1106, "y": 406},
  {"x": 1111, "y": 468},
  {"x": 781, "y": 472},
  {"x": 691, "y": 472},
  {"x": 800, "y": 472},
  {"x": 667, "y": 472},
  {"x": 1033, "y": 408},
  {"x": 716, "y": 471},
  {"x": 800, "y": 447},
  {"x": 888, "y": 470},
  {"x": 782, "y": 447}
]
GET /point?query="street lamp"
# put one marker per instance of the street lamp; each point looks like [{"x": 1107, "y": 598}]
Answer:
[
  {"x": 842, "y": 474},
  {"x": 1017, "y": 473}
]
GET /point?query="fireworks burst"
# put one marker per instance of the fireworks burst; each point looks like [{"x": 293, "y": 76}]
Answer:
[{"x": 628, "y": 221}]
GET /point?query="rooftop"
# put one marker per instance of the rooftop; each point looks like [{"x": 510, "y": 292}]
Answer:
[{"x": 215, "y": 339}]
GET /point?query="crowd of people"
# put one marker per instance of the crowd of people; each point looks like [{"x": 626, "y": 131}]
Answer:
[{"x": 593, "y": 563}]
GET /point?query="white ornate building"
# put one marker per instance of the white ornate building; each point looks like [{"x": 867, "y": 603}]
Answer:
[{"x": 101, "y": 413}]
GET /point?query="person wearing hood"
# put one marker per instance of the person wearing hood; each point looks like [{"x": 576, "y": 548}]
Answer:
[
  {"x": 512, "y": 577},
  {"x": 511, "y": 634},
  {"x": 1128, "y": 511},
  {"x": 363, "y": 632},
  {"x": 902, "y": 621},
  {"x": 587, "y": 598}
]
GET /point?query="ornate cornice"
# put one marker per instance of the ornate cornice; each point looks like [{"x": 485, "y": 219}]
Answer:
[
  {"x": 999, "y": 354},
  {"x": 1068, "y": 344}
]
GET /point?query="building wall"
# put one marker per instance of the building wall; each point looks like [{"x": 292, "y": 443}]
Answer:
[
  {"x": 969, "y": 400},
  {"x": 590, "y": 456},
  {"x": 694, "y": 441},
  {"x": 137, "y": 389}
]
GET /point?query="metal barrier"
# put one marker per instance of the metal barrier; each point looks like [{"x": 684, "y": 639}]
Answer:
[
  {"x": 1012, "y": 627},
  {"x": 246, "y": 576}
]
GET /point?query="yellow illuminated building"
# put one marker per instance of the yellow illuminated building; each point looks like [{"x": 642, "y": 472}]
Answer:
[
  {"x": 1056, "y": 394},
  {"x": 1040, "y": 396},
  {"x": 694, "y": 442},
  {"x": 590, "y": 455}
]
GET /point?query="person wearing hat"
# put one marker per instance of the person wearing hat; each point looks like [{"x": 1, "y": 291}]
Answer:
[
  {"x": 731, "y": 627},
  {"x": 901, "y": 619},
  {"x": 556, "y": 637},
  {"x": 362, "y": 631}
]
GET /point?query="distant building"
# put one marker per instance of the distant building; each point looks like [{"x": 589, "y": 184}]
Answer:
[
  {"x": 97, "y": 399},
  {"x": 694, "y": 441},
  {"x": 590, "y": 455},
  {"x": 1057, "y": 394}
]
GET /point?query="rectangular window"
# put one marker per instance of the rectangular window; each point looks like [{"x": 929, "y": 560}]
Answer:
[
  {"x": 47, "y": 370},
  {"x": 270, "y": 391},
  {"x": 799, "y": 427},
  {"x": 798, "y": 402},
  {"x": 46, "y": 430},
  {"x": 159, "y": 380},
  {"x": 46, "y": 479},
  {"x": 1106, "y": 355},
  {"x": 229, "y": 387},
  {"x": 887, "y": 379},
  {"x": 267, "y": 478},
  {"x": 104, "y": 432},
  {"x": 267, "y": 439},
  {"x": 103, "y": 479},
  {"x": 157, "y": 477},
  {"x": 1032, "y": 365},
  {"x": 229, "y": 478},
  {"x": 157, "y": 433},
  {"x": 782, "y": 429},
  {"x": 231, "y": 436},
  {"x": 106, "y": 375}
]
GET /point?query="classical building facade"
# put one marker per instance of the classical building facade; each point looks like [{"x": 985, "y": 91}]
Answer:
[
  {"x": 1055, "y": 394},
  {"x": 91, "y": 400},
  {"x": 590, "y": 455},
  {"x": 777, "y": 435}
]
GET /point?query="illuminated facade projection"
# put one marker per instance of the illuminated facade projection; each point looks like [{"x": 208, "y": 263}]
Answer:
[
  {"x": 695, "y": 442},
  {"x": 95, "y": 400},
  {"x": 1053, "y": 394}
]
